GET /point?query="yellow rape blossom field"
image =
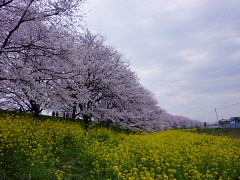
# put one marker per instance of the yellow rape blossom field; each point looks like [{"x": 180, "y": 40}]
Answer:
[{"x": 48, "y": 149}]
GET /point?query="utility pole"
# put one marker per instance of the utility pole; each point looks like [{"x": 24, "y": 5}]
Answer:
[{"x": 216, "y": 113}]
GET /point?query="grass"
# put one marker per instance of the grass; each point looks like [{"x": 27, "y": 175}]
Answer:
[
  {"x": 231, "y": 132},
  {"x": 53, "y": 148}
]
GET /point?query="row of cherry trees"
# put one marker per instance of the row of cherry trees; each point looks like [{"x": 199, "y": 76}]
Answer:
[{"x": 46, "y": 65}]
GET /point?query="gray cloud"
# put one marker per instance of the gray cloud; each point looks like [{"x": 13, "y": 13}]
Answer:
[{"x": 187, "y": 52}]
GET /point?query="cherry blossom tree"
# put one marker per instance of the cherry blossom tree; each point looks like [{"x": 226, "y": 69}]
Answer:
[
  {"x": 99, "y": 72},
  {"x": 17, "y": 13},
  {"x": 103, "y": 87},
  {"x": 31, "y": 49},
  {"x": 28, "y": 74},
  {"x": 21, "y": 28},
  {"x": 45, "y": 64}
]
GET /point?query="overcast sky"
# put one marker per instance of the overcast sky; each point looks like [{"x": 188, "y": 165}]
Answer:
[{"x": 187, "y": 52}]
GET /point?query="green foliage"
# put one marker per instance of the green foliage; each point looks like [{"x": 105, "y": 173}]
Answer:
[{"x": 232, "y": 132}]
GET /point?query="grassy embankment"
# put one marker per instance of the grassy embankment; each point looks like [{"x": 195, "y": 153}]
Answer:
[
  {"x": 231, "y": 132},
  {"x": 56, "y": 149}
]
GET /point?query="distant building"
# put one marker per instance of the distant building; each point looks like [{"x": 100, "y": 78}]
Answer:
[
  {"x": 236, "y": 120},
  {"x": 224, "y": 123},
  {"x": 233, "y": 122}
]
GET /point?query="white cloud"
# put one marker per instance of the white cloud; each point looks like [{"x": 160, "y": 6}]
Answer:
[
  {"x": 195, "y": 58},
  {"x": 236, "y": 56},
  {"x": 149, "y": 73},
  {"x": 174, "y": 5}
]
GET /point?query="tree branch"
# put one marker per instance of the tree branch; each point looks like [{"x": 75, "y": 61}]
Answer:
[{"x": 15, "y": 28}]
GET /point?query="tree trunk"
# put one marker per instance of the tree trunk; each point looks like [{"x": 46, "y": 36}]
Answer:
[
  {"x": 74, "y": 112},
  {"x": 35, "y": 109},
  {"x": 86, "y": 120}
]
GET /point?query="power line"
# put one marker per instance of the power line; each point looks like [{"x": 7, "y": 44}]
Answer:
[
  {"x": 230, "y": 105},
  {"x": 210, "y": 112},
  {"x": 215, "y": 110}
]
